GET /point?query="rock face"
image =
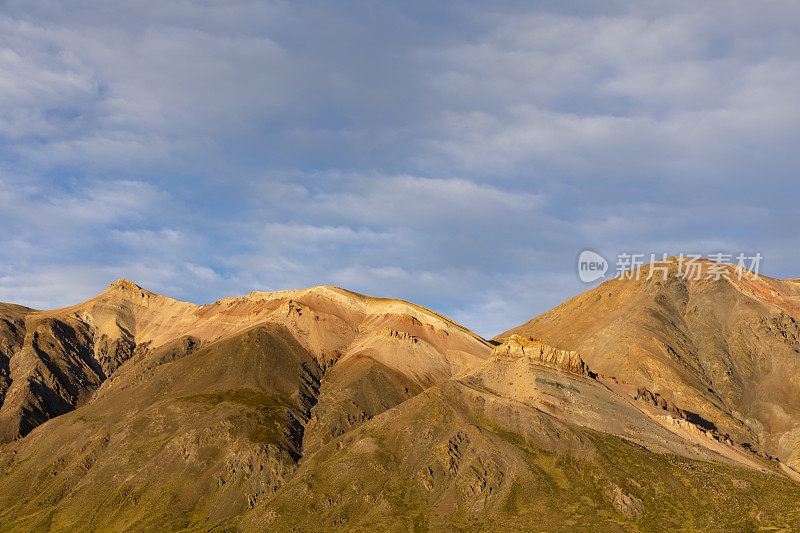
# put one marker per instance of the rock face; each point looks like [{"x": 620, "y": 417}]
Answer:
[
  {"x": 656, "y": 400},
  {"x": 52, "y": 372},
  {"x": 12, "y": 336},
  {"x": 627, "y": 505},
  {"x": 517, "y": 346},
  {"x": 400, "y": 335}
]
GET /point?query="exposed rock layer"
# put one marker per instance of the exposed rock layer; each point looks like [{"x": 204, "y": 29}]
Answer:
[{"x": 517, "y": 346}]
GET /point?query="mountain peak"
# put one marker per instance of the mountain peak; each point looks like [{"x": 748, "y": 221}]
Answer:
[{"x": 124, "y": 284}]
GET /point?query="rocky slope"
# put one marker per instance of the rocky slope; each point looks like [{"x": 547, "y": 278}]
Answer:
[{"x": 324, "y": 409}]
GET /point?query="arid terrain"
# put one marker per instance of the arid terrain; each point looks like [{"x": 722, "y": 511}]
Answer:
[{"x": 642, "y": 404}]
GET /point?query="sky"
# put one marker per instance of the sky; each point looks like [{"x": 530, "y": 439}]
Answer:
[{"x": 459, "y": 155}]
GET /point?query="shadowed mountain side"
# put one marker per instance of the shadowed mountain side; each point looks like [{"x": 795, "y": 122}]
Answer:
[
  {"x": 353, "y": 392},
  {"x": 726, "y": 349},
  {"x": 12, "y": 338},
  {"x": 55, "y": 368}
]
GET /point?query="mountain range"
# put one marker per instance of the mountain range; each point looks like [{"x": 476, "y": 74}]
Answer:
[{"x": 650, "y": 402}]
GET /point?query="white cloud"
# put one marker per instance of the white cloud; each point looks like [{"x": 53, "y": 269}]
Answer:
[
  {"x": 149, "y": 239},
  {"x": 412, "y": 201},
  {"x": 38, "y": 208}
]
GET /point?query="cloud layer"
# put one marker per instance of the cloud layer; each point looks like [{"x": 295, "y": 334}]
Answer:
[{"x": 459, "y": 155}]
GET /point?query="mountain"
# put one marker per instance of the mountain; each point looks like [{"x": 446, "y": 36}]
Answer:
[
  {"x": 55, "y": 361},
  {"x": 152, "y": 400},
  {"x": 322, "y": 409},
  {"x": 725, "y": 347}
]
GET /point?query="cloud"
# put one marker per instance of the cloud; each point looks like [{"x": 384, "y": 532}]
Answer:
[
  {"x": 458, "y": 155},
  {"x": 416, "y": 201},
  {"x": 578, "y": 94},
  {"x": 149, "y": 240},
  {"x": 40, "y": 209}
]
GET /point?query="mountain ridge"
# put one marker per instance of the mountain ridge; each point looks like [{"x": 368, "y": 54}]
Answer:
[
  {"x": 325, "y": 409},
  {"x": 112, "y": 325}
]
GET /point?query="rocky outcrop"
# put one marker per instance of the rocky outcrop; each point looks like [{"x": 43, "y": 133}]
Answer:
[
  {"x": 130, "y": 291},
  {"x": 294, "y": 309},
  {"x": 693, "y": 422},
  {"x": 656, "y": 400},
  {"x": 111, "y": 353},
  {"x": 627, "y": 505},
  {"x": 541, "y": 353},
  {"x": 12, "y": 335},
  {"x": 409, "y": 320},
  {"x": 400, "y": 335}
]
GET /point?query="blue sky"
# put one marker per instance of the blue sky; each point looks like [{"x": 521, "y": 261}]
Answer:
[{"x": 456, "y": 154}]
